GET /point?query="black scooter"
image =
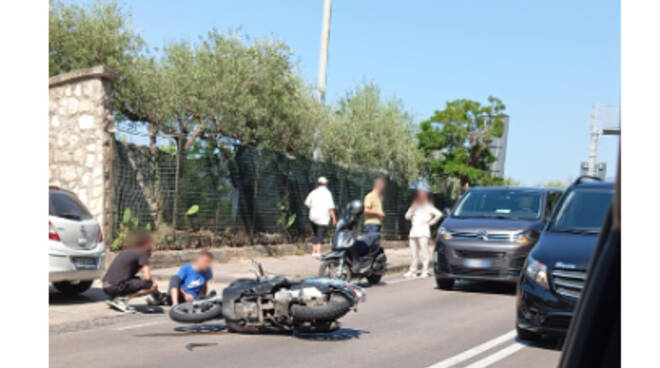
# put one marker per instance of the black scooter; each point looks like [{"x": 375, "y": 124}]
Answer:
[{"x": 352, "y": 256}]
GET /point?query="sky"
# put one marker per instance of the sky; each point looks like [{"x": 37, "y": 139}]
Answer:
[{"x": 548, "y": 61}]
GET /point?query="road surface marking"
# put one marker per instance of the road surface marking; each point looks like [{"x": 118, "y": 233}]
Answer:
[
  {"x": 138, "y": 326},
  {"x": 470, "y": 353},
  {"x": 497, "y": 356}
]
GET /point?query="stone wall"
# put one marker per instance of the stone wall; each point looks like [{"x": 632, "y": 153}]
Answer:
[{"x": 81, "y": 142}]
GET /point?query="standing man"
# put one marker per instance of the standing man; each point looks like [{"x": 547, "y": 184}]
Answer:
[
  {"x": 321, "y": 208},
  {"x": 121, "y": 281},
  {"x": 373, "y": 207}
]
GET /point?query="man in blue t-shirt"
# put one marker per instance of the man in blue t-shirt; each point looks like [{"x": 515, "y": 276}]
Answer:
[{"x": 191, "y": 281}]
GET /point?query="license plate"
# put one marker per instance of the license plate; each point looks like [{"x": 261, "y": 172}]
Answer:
[
  {"x": 85, "y": 263},
  {"x": 477, "y": 263}
]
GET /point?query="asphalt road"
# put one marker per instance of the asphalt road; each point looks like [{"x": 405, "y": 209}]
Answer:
[{"x": 404, "y": 323}]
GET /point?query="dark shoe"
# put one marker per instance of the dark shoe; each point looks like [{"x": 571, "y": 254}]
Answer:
[{"x": 157, "y": 298}]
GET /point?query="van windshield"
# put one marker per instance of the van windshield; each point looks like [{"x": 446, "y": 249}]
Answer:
[
  {"x": 504, "y": 204},
  {"x": 583, "y": 210}
]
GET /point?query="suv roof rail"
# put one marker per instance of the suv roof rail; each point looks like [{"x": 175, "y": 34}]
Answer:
[{"x": 582, "y": 177}]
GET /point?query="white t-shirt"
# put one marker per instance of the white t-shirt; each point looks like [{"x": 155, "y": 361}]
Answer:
[
  {"x": 320, "y": 203},
  {"x": 422, "y": 218}
]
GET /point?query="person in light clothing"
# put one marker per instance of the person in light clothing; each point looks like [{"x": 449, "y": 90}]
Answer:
[
  {"x": 422, "y": 214},
  {"x": 321, "y": 208}
]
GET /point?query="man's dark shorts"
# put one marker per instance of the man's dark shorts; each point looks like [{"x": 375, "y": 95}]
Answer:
[
  {"x": 319, "y": 233},
  {"x": 128, "y": 287}
]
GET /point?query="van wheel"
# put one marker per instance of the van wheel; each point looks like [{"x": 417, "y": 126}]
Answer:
[
  {"x": 68, "y": 288},
  {"x": 444, "y": 283}
]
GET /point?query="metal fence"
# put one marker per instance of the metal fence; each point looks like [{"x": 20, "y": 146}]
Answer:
[{"x": 239, "y": 192}]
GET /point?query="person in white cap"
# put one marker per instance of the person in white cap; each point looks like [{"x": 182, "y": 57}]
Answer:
[
  {"x": 423, "y": 215},
  {"x": 321, "y": 208}
]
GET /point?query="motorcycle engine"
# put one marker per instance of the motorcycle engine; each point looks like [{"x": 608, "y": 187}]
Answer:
[
  {"x": 281, "y": 300},
  {"x": 246, "y": 310}
]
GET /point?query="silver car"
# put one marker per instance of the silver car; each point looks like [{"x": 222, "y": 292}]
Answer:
[{"x": 76, "y": 251}]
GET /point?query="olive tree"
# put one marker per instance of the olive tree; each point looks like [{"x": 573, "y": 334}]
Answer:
[{"x": 368, "y": 131}]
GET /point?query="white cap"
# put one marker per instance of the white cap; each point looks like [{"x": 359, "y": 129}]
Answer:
[{"x": 322, "y": 180}]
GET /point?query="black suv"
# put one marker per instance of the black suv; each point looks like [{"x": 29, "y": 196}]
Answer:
[
  {"x": 489, "y": 233},
  {"x": 556, "y": 268}
]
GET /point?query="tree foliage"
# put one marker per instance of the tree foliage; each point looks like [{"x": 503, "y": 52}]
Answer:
[
  {"x": 99, "y": 34},
  {"x": 455, "y": 140},
  {"x": 371, "y": 132},
  {"x": 227, "y": 87}
]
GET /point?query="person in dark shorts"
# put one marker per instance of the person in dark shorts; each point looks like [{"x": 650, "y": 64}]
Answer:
[
  {"x": 321, "y": 208},
  {"x": 121, "y": 281},
  {"x": 191, "y": 281}
]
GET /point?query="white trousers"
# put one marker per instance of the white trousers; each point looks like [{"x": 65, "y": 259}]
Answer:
[{"x": 419, "y": 251}]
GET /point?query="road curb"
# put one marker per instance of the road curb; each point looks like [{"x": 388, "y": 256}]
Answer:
[{"x": 173, "y": 258}]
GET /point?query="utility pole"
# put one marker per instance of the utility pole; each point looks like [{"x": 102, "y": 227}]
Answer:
[
  {"x": 594, "y": 134},
  {"x": 323, "y": 69},
  {"x": 592, "y": 167},
  {"x": 323, "y": 57}
]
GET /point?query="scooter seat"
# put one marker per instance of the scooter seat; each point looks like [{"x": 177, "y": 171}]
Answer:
[{"x": 370, "y": 243}]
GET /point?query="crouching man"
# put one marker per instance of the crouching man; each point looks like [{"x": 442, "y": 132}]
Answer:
[
  {"x": 191, "y": 282},
  {"x": 121, "y": 282}
]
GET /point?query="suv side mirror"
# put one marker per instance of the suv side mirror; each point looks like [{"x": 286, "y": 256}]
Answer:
[{"x": 446, "y": 211}]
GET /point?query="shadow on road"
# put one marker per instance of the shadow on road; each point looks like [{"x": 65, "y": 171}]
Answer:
[
  {"x": 92, "y": 295},
  {"x": 341, "y": 334},
  {"x": 549, "y": 343},
  {"x": 189, "y": 330},
  {"x": 492, "y": 287}
]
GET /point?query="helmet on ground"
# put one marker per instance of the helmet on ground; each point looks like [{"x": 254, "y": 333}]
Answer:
[{"x": 355, "y": 207}]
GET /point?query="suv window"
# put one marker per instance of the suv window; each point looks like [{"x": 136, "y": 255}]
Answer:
[
  {"x": 67, "y": 205},
  {"x": 583, "y": 210}
]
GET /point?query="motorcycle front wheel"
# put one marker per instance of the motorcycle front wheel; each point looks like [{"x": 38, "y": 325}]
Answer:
[
  {"x": 195, "y": 312},
  {"x": 329, "y": 269}
]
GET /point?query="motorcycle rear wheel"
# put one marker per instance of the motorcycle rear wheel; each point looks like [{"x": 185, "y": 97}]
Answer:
[
  {"x": 374, "y": 279},
  {"x": 195, "y": 313},
  {"x": 336, "y": 307}
]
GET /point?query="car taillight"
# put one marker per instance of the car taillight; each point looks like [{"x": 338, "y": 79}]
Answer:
[
  {"x": 100, "y": 238},
  {"x": 52, "y": 234}
]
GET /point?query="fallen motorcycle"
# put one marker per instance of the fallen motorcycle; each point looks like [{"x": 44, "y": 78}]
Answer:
[{"x": 274, "y": 304}]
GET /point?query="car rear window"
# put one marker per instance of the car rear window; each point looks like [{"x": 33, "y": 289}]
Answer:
[{"x": 67, "y": 205}]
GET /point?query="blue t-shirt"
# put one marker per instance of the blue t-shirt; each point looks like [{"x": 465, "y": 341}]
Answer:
[{"x": 193, "y": 281}]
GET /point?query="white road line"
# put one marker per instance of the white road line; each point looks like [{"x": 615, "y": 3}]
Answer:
[
  {"x": 497, "y": 356},
  {"x": 470, "y": 353},
  {"x": 138, "y": 326}
]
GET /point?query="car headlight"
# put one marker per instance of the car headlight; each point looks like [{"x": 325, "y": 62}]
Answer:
[
  {"x": 537, "y": 271},
  {"x": 525, "y": 237},
  {"x": 444, "y": 233}
]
